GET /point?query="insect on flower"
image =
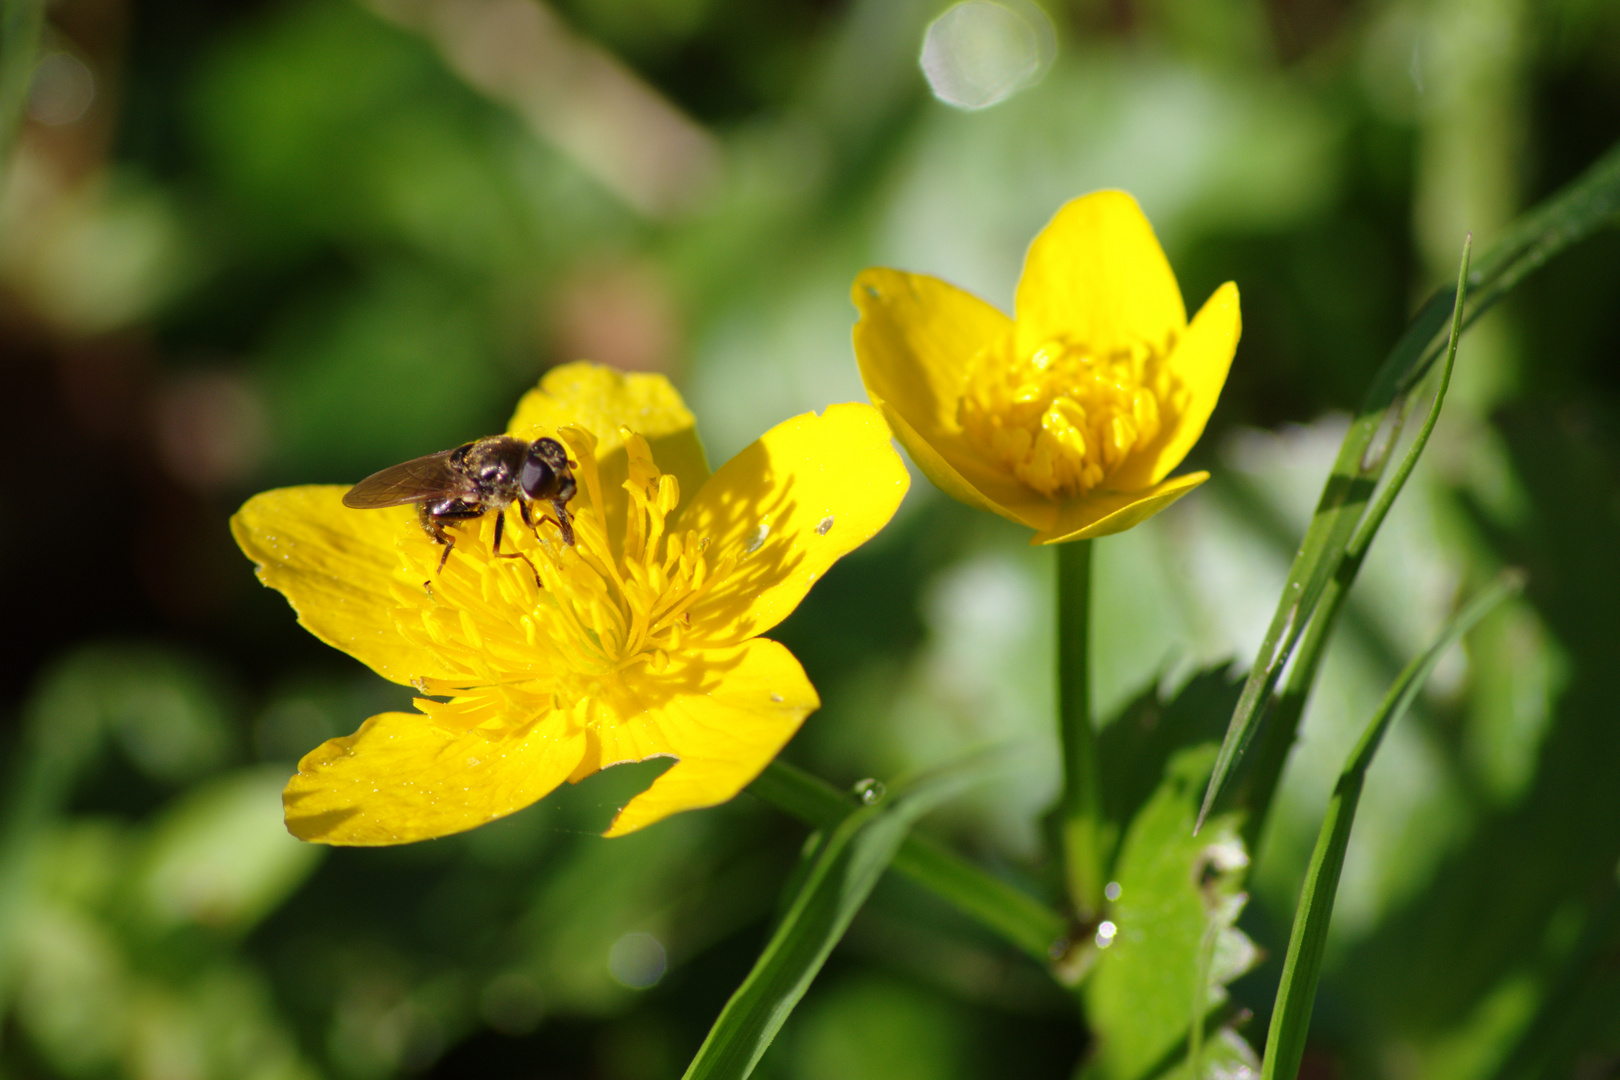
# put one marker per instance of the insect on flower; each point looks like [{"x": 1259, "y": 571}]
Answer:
[
  {"x": 644, "y": 638},
  {"x": 461, "y": 484}
]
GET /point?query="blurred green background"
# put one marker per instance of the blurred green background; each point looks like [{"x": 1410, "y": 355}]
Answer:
[{"x": 284, "y": 241}]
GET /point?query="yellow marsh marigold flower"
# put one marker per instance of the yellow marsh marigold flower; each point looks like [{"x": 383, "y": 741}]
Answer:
[
  {"x": 641, "y": 641},
  {"x": 1068, "y": 417}
]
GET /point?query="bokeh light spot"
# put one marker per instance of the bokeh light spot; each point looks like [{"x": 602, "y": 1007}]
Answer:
[
  {"x": 638, "y": 961},
  {"x": 981, "y": 52},
  {"x": 62, "y": 90}
]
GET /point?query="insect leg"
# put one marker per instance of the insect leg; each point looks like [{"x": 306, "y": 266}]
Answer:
[
  {"x": 500, "y": 520},
  {"x": 435, "y": 529}
]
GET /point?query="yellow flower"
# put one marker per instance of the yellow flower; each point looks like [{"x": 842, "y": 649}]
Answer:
[
  {"x": 641, "y": 641},
  {"x": 1068, "y": 418}
]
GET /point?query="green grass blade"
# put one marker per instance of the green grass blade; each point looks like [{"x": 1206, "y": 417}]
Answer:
[
  {"x": 1302, "y": 967},
  {"x": 848, "y": 863},
  {"x": 1290, "y": 705},
  {"x": 1014, "y": 915},
  {"x": 1590, "y": 202}
]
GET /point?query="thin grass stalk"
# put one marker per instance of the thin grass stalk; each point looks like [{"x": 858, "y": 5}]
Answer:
[
  {"x": 1302, "y": 967},
  {"x": 1018, "y": 918},
  {"x": 1288, "y": 708},
  {"x": 1587, "y": 204}
]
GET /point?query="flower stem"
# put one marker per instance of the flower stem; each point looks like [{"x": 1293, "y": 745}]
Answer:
[
  {"x": 1081, "y": 812},
  {"x": 1016, "y": 916}
]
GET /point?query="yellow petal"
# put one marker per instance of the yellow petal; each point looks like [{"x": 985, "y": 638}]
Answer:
[
  {"x": 1013, "y": 500},
  {"x": 803, "y": 495},
  {"x": 915, "y": 341},
  {"x": 604, "y": 401},
  {"x": 1199, "y": 364},
  {"x": 401, "y": 778},
  {"x": 726, "y": 715},
  {"x": 1097, "y": 277},
  {"x": 339, "y": 568},
  {"x": 1103, "y": 513}
]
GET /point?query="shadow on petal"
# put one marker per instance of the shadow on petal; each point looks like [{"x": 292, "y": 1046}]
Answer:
[{"x": 1105, "y": 513}]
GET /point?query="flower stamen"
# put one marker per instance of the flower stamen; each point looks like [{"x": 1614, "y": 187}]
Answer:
[
  {"x": 1065, "y": 417},
  {"x": 593, "y": 614}
]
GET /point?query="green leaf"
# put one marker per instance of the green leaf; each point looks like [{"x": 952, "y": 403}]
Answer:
[
  {"x": 1302, "y": 968},
  {"x": 1174, "y": 946},
  {"x": 1019, "y": 918},
  {"x": 1139, "y": 743},
  {"x": 844, "y": 866},
  {"x": 1589, "y": 203}
]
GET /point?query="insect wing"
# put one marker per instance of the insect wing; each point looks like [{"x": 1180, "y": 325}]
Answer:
[{"x": 414, "y": 481}]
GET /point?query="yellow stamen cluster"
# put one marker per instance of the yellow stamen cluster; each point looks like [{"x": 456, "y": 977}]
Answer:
[
  {"x": 1064, "y": 417},
  {"x": 553, "y": 643}
]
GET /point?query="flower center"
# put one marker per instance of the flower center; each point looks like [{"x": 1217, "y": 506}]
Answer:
[
  {"x": 548, "y": 621},
  {"x": 1064, "y": 417},
  {"x": 616, "y": 611}
]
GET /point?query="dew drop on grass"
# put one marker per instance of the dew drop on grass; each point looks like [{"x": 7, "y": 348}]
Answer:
[{"x": 870, "y": 791}]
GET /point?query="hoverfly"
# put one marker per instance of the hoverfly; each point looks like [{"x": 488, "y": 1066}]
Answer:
[{"x": 461, "y": 484}]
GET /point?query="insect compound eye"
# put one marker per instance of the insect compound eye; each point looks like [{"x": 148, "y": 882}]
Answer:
[
  {"x": 536, "y": 478},
  {"x": 550, "y": 451}
]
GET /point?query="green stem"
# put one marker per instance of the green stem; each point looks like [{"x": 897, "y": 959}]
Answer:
[
  {"x": 1082, "y": 824},
  {"x": 1016, "y": 916}
]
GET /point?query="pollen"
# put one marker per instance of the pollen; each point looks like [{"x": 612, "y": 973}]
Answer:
[
  {"x": 1064, "y": 417},
  {"x": 549, "y": 622}
]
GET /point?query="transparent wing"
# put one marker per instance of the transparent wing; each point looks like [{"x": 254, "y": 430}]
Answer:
[{"x": 417, "y": 480}]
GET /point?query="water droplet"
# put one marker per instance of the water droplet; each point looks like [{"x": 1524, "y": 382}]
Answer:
[
  {"x": 826, "y": 524},
  {"x": 870, "y": 791},
  {"x": 1105, "y": 934},
  {"x": 1058, "y": 948},
  {"x": 872, "y": 292},
  {"x": 777, "y": 698},
  {"x": 756, "y": 539},
  {"x": 1111, "y": 890}
]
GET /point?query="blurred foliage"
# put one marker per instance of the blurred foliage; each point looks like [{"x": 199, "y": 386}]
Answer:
[{"x": 291, "y": 241}]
